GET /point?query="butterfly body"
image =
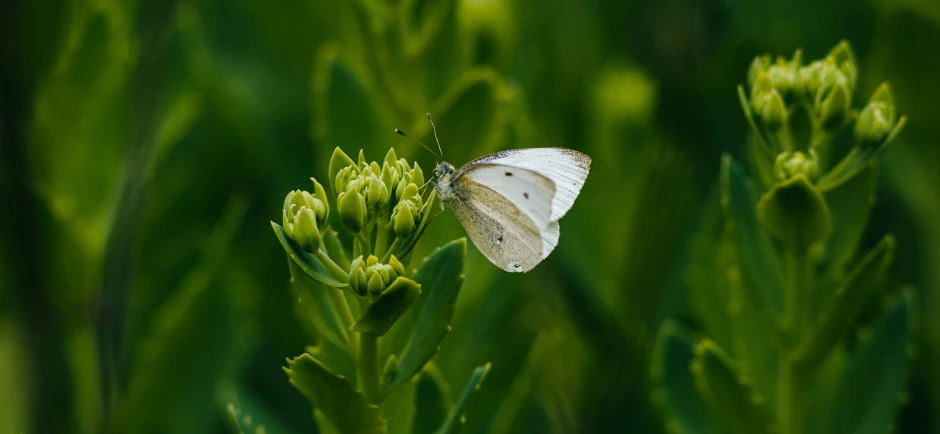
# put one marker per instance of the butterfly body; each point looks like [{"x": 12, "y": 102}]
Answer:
[{"x": 510, "y": 202}]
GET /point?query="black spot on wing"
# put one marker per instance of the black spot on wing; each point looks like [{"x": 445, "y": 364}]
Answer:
[
  {"x": 508, "y": 173},
  {"x": 526, "y": 195}
]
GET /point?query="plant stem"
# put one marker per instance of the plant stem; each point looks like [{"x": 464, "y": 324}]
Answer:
[
  {"x": 381, "y": 238},
  {"x": 345, "y": 315},
  {"x": 320, "y": 254},
  {"x": 391, "y": 250},
  {"x": 364, "y": 249},
  {"x": 796, "y": 314},
  {"x": 368, "y": 366}
]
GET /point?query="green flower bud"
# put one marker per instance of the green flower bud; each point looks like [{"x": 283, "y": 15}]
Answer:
[
  {"x": 411, "y": 190},
  {"x": 358, "y": 281},
  {"x": 817, "y": 77},
  {"x": 376, "y": 285},
  {"x": 377, "y": 194},
  {"x": 344, "y": 177},
  {"x": 762, "y": 88},
  {"x": 877, "y": 119},
  {"x": 404, "y": 218},
  {"x": 397, "y": 266},
  {"x": 323, "y": 208},
  {"x": 417, "y": 175},
  {"x": 369, "y": 276},
  {"x": 287, "y": 220},
  {"x": 305, "y": 230},
  {"x": 789, "y": 164},
  {"x": 836, "y": 106},
  {"x": 352, "y": 210},
  {"x": 774, "y": 111},
  {"x": 844, "y": 59},
  {"x": 375, "y": 169},
  {"x": 758, "y": 66},
  {"x": 390, "y": 175}
]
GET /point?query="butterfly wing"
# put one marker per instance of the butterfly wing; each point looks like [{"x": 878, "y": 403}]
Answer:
[
  {"x": 566, "y": 168},
  {"x": 503, "y": 232},
  {"x": 527, "y": 190}
]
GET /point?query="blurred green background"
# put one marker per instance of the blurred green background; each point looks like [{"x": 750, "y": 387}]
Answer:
[{"x": 146, "y": 145}]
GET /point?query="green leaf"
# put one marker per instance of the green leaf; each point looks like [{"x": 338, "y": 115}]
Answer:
[
  {"x": 336, "y": 359},
  {"x": 874, "y": 378},
  {"x": 455, "y": 418},
  {"x": 859, "y": 287},
  {"x": 309, "y": 263},
  {"x": 673, "y": 354},
  {"x": 316, "y": 302},
  {"x": 795, "y": 212},
  {"x": 849, "y": 204},
  {"x": 323, "y": 424},
  {"x": 338, "y": 161},
  {"x": 388, "y": 307},
  {"x": 243, "y": 423},
  {"x": 440, "y": 277},
  {"x": 345, "y": 408},
  {"x": 399, "y": 408},
  {"x": 408, "y": 244},
  {"x": 728, "y": 394},
  {"x": 759, "y": 264},
  {"x": 431, "y": 401}
]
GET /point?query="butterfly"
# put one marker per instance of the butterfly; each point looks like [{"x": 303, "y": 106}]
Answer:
[{"x": 509, "y": 202}]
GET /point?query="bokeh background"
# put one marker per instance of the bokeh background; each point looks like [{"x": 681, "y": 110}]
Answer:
[{"x": 146, "y": 145}]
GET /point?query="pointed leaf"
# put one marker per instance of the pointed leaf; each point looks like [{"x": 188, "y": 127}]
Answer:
[
  {"x": 431, "y": 402},
  {"x": 759, "y": 265},
  {"x": 859, "y": 287},
  {"x": 440, "y": 277},
  {"x": 687, "y": 412},
  {"x": 309, "y": 263},
  {"x": 795, "y": 212},
  {"x": 388, "y": 307},
  {"x": 317, "y": 303},
  {"x": 345, "y": 408},
  {"x": 873, "y": 381},
  {"x": 731, "y": 397},
  {"x": 455, "y": 418}
]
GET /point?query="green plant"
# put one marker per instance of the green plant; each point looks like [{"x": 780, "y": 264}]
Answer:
[
  {"x": 803, "y": 336},
  {"x": 367, "y": 308}
]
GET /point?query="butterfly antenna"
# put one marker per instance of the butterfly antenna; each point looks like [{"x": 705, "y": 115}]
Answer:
[
  {"x": 402, "y": 133},
  {"x": 435, "y": 136}
]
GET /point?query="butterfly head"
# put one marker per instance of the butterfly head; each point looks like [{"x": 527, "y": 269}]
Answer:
[{"x": 443, "y": 169}]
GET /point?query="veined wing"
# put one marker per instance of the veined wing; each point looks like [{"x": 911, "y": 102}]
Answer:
[
  {"x": 506, "y": 235},
  {"x": 526, "y": 189},
  {"x": 567, "y": 168}
]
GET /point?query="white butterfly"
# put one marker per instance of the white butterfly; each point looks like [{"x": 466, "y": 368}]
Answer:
[{"x": 510, "y": 202}]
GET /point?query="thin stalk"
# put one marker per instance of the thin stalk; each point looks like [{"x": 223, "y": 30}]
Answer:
[
  {"x": 792, "y": 380},
  {"x": 391, "y": 250},
  {"x": 345, "y": 316},
  {"x": 364, "y": 249},
  {"x": 320, "y": 254},
  {"x": 368, "y": 366},
  {"x": 381, "y": 238}
]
